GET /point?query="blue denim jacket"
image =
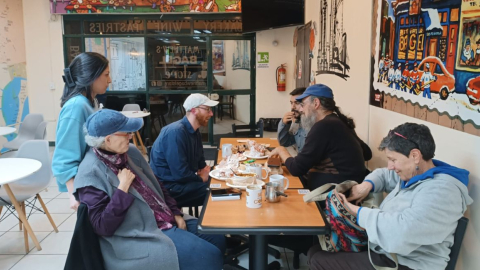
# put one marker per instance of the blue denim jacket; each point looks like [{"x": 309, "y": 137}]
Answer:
[{"x": 177, "y": 153}]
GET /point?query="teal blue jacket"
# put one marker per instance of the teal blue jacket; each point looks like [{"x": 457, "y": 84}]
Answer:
[{"x": 70, "y": 146}]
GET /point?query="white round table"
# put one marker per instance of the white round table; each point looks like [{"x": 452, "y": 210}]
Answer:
[
  {"x": 7, "y": 130},
  {"x": 11, "y": 170},
  {"x": 137, "y": 114}
]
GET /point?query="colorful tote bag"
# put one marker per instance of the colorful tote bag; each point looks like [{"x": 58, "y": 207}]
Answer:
[{"x": 345, "y": 234}]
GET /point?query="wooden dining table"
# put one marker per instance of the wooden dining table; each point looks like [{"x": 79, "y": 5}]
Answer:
[
  {"x": 290, "y": 216},
  {"x": 294, "y": 182}
]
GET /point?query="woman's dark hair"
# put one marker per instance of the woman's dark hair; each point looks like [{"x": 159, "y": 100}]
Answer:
[
  {"x": 84, "y": 69},
  {"x": 408, "y": 136},
  {"x": 328, "y": 104}
]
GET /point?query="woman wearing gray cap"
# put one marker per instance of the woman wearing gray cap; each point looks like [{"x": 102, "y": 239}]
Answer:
[{"x": 139, "y": 224}]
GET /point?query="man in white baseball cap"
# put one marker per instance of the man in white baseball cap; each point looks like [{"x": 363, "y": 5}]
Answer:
[{"x": 177, "y": 155}]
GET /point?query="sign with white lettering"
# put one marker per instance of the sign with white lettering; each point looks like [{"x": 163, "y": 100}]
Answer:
[{"x": 114, "y": 27}]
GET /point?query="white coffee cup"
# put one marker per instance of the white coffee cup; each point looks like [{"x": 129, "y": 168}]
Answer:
[
  {"x": 280, "y": 179},
  {"x": 254, "y": 196},
  {"x": 257, "y": 169}
]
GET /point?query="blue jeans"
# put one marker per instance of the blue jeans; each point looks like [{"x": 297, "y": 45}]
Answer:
[
  {"x": 195, "y": 250},
  {"x": 426, "y": 93}
]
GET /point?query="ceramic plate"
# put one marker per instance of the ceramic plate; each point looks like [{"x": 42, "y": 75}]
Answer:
[
  {"x": 247, "y": 154},
  {"x": 238, "y": 184},
  {"x": 215, "y": 173}
]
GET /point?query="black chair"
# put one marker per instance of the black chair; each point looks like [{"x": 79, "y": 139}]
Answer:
[
  {"x": 457, "y": 242},
  {"x": 248, "y": 131},
  {"x": 228, "y": 105}
]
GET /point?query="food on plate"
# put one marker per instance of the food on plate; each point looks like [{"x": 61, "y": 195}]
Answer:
[
  {"x": 241, "y": 182},
  {"x": 223, "y": 173}
]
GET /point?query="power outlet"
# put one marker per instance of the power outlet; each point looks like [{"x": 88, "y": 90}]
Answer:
[{"x": 52, "y": 86}]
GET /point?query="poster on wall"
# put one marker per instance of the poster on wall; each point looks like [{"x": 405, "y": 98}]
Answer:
[
  {"x": 426, "y": 61},
  {"x": 332, "y": 55},
  {"x": 14, "y": 102},
  {"x": 240, "y": 55},
  {"x": 143, "y": 6},
  {"x": 218, "y": 52}
]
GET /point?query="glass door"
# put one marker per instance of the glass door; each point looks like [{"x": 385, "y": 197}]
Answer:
[
  {"x": 232, "y": 83},
  {"x": 177, "y": 67}
]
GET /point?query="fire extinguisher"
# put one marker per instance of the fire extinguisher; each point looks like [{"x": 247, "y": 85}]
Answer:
[{"x": 281, "y": 77}]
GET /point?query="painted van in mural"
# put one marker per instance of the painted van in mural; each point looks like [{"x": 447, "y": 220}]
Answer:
[
  {"x": 444, "y": 82},
  {"x": 473, "y": 90},
  {"x": 143, "y": 6}
]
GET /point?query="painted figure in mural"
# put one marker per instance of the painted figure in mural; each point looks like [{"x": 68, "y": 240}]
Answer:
[
  {"x": 414, "y": 78},
  {"x": 468, "y": 56},
  {"x": 385, "y": 67},
  {"x": 391, "y": 75},
  {"x": 237, "y": 6},
  {"x": 154, "y": 3},
  {"x": 398, "y": 76},
  {"x": 196, "y": 6},
  {"x": 211, "y": 6},
  {"x": 405, "y": 75},
  {"x": 166, "y": 6},
  {"x": 381, "y": 64},
  {"x": 427, "y": 79},
  {"x": 477, "y": 54}
]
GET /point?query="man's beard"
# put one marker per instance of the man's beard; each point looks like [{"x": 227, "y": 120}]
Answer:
[
  {"x": 308, "y": 122},
  {"x": 202, "y": 120},
  {"x": 297, "y": 115}
]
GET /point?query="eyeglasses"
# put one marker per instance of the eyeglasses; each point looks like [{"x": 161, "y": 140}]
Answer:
[
  {"x": 129, "y": 135},
  {"x": 208, "y": 109},
  {"x": 391, "y": 133}
]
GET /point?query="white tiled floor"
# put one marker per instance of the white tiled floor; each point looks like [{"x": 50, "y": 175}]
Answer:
[{"x": 55, "y": 245}]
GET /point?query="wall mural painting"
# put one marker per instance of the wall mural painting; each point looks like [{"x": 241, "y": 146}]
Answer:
[
  {"x": 240, "y": 55},
  {"x": 332, "y": 47},
  {"x": 426, "y": 57},
  {"x": 143, "y": 6}
]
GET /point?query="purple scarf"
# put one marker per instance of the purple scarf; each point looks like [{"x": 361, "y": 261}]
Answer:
[{"x": 163, "y": 215}]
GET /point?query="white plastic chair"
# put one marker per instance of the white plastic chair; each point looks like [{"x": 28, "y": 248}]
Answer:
[
  {"x": 41, "y": 132},
  {"x": 131, "y": 107},
  {"x": 30, "y": 186},
  {"x": 27, "y": 131}
]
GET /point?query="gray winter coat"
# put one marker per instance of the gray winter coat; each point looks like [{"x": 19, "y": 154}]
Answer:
[{"x": 137, "y": 243}]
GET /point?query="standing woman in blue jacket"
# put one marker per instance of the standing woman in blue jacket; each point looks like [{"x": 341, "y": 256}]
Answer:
[{"x": 86, "y": 77}]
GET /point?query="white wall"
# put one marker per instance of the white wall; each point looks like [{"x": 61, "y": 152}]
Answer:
[
  {"x": 12, "y": 65},
  {"x": 44, "y": 50},
  {"x": 235, "y": 78},
  {"x": 269, "y": 102},
  {"x": 242, "y": 108}
]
